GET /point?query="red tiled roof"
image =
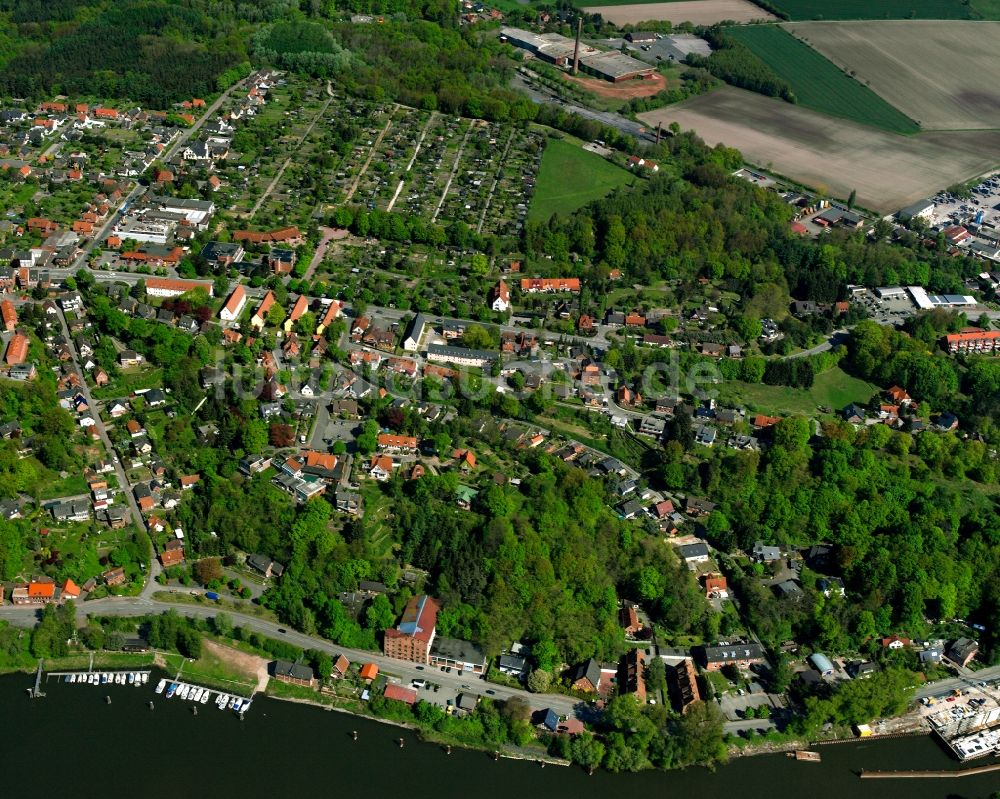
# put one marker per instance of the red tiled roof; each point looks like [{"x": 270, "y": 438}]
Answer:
[
  {"x": 550, "y": 284},
  {"x": 41, "y": 590},
  {"x": 400, "y": 694},
  {"x": 321, "y": 459},
  {"x": 255, "y": 237},
  {"x": 235, "y": 299},
  {"x": 17, "y": 350},
  {"x": 403, "y": 442},
  {"x": 976, "y": 335}
]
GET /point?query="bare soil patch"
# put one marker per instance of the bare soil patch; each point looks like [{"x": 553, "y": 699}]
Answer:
[
  {"x": 251, "y": 666},
  {"x": 945, "y": 74},
  {"x": 836, "y": 156},
  {"x": 700, "y": 12},
  {"x": 627, "y": 90}
]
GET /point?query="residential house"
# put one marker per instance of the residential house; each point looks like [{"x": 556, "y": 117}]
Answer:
[
  {"x": 962, "y": 651},
  {"x": 234, "y": 305},
  {"x": 631, "y": 675},
  {"x": 293, "y": 673},
  {"x": 741, "y": 654},
  {"x": 501, "y": 298},
  {"x": 587, "y": 677}
]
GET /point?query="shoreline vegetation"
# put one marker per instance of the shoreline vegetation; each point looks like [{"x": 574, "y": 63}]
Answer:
[{"x": 329, "y": 701}]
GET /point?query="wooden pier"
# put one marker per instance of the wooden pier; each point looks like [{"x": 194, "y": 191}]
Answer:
[
  {"x": 36, "y": 692},
  {"x": 890, "y": 775}
]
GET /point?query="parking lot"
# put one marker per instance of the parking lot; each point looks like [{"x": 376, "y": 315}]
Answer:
[
  {"x": 892, "y": 311},
  {"x": 985, "y": 198}
]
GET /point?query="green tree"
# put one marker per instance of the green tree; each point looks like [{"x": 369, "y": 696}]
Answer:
[
  {"x": 539, "y": 681},
  {"x": 379, "y": 615}
]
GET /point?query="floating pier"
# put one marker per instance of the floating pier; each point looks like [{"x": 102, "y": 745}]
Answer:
[{"x": 890, "y": 775}]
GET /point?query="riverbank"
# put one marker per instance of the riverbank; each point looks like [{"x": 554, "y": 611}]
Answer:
[{"x": 425, "y": 735}]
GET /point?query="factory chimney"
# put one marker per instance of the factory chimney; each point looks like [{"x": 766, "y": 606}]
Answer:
[{"x": 576, "y": 49}]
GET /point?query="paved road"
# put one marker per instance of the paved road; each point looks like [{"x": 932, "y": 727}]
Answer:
[
  {"x": 123, "y": 481},
  {"x": 100, "y": 234},
  {"x": 564, "y": 705},
  {"x": 626, "y": 126},
  {"x": 837, "y": 337},
  {"x": 945, "y": 687}
]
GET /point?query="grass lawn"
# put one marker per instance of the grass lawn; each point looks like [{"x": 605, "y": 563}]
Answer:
[
  {"x": 570, "y": 177},
  {"x": 72, "y": 486},
  {"x": 131, "y": 380},
  {"x": 211, "y": 670},
  {"x": 833, "y": 388},
  {"x": 817, "y": 83}
]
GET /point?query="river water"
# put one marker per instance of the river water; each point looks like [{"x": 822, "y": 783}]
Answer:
[{"x": 71, "y": 740}]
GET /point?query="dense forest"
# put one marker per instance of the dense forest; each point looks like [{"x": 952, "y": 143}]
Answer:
[{"x": 152, "y": 53}]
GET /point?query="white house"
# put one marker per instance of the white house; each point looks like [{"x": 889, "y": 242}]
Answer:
[{"x": 234, "y": 305}]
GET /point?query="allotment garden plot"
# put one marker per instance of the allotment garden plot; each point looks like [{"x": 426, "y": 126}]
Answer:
[
  {"x": 443, "y": 169},
  {"x": 944, "y": 74}
]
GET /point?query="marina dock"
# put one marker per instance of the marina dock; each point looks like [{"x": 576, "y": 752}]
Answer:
[{"x": 185, "y": 691}]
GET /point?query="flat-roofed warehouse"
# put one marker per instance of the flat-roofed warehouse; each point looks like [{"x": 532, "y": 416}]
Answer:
[
  {"x": 615, "y": 66},
  {"x": 551, "y": 47}
]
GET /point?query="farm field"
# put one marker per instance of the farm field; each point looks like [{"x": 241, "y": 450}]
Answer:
[
  {"x": 866, "y": 9},
  {"x": 570, "y": 177},
  {"x": 699, "y": 12},
  {"x": 945, "y": 75},
  {"x": 888, "y": 171},
  {"x": 817, "y": 83}
]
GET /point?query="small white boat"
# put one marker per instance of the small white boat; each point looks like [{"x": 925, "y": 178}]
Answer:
[
  {"x": 144, "y": 677},
  {"x": 160, "y": 686},
  {"x": 184, "y": 691},
  {"x": 120, "y": 678},
  {"x": 138, "y": 680},
  {"x": 223, "y": 701},
  {"x": 94, "y": 680},
  {"x": 246, "y": 707},
  {"x": 196, "y": 694},
  {"x": 235, "y": 703},
  {"x": 131, "y": 678},
  {"x": 204, "y": 697}
]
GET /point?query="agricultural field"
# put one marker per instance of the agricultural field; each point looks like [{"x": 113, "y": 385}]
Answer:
[
  {"x": 570, "y": 177},
  {"x": 945, "y": 75},
  {"x": 817, "y": 83},
  {"x": 836, "y": 156},
  {"x": 698, "y": 12},
  {"x": 884, "y": 9}
]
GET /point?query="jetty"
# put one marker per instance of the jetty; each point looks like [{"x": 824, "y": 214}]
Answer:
[
  {"x": 36, "y": 692},
  {"x": 805, "y": 756},
  {"x": 891, "y": 775}
]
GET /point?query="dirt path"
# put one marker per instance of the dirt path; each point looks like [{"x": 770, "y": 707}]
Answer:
[
  {"x": 371, "y": 155},
  {"x": 454, "y": 170}
]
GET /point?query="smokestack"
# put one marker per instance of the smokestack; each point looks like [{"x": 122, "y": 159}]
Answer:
[{"x": 576, "y": 49}]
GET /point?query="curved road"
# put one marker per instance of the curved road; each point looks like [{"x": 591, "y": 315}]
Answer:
[{"x": 144, "y": 605}]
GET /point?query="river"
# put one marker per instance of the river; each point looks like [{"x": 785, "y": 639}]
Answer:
[{"x": 71, "y": 740}]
